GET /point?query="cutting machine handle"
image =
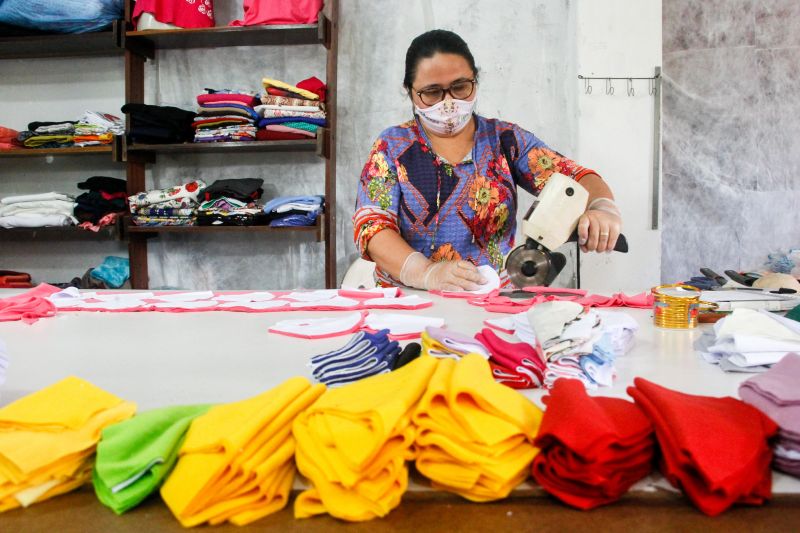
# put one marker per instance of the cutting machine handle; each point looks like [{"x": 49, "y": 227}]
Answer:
[{"x": 621, "y": 246}]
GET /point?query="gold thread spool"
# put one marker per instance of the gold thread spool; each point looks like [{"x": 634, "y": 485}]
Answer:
[{"x": 677, "y": 311}]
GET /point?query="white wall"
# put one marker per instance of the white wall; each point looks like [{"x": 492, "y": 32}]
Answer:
[{"x": 615, "y": 133}]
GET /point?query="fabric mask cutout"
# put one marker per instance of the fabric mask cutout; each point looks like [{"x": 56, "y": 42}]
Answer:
[{"x": 448, "y": 117}]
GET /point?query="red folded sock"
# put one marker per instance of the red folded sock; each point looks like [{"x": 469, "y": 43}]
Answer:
[
  {"x": 593, "y": 448},
  {"x": 714, "y": 449}
]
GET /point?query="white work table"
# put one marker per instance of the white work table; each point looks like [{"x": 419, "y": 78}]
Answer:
[{"x": 157, "y": 359}]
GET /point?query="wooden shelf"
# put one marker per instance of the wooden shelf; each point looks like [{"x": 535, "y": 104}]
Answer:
[
  {"x": 96, "y": 44},
  {"x": 310, "y": 145},
  {"x": 72, "y": 150},
  {"x": 152, "y": 231},
  {"x": 148, "y": 41},
  {"x": 63, "y": 232}
]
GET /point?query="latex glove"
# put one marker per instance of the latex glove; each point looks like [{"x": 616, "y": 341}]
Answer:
[
  {"x": 418, "y": 271},
  {"x": 599, "y": 228}
]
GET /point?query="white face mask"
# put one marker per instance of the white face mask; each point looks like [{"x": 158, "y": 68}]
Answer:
[{"x": 448, "y": 117}]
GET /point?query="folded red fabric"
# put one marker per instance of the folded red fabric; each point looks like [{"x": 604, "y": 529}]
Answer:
[
  {"x": 516, "y": 364},
  {"x": 269, "y": 135},
  {"x": 593, "y": 448},
  {"x": 246, "y": 99},
  {"x": 714, "y": 449},
  {"x": 315, "y": 85}
]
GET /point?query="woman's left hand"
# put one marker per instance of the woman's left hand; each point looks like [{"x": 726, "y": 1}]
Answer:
[{"x": 598, "y": 231}]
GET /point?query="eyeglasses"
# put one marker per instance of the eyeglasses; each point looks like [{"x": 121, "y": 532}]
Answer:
[{"x": 459, "y": 90}]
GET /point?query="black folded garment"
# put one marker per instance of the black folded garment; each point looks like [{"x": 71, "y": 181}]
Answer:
[
  {"x": 214, "y": 218},
  {"x": 34, "y": 125},
  {"x": 244, "y": 189},
  {"x": 159, "y": 124},
  {"x": 105, "y": 184},
  {"x": 91, "y": 206}
]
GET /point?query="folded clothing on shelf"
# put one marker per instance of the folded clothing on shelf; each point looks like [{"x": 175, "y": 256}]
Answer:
[
  {"x": 105, "y": 195},
  {"x": 294, "y": 210},
  {"x": 258, "y": 12},
  {"x": 37, "y": 210},
  {"x": 10, "y": 279},
  {"x": 9, "y": 139},
  {"x": 178, "y": 13},
  {"x": 159, "y": 124},
  {"x": 181, "y": 197}
]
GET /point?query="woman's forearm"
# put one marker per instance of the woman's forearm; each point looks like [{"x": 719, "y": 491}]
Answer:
[{"x": 389, "y": 251}]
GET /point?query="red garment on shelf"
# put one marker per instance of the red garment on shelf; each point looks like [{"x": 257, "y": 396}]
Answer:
[
  {"x": 8, "y": 139},
  {"x": 181, "y": 13},
  {"x": 246, "y": 99},
  {"x": 274, "y": 91},
  {"x": 279, "y": 12},
  {"x": 269, "y": 135},
  {"x": 314, "y": 85},
  {"x": 593, "y": 448},
  {"x": 10, "y": 279},
  {"x": 29, "y": 306},
  {"x": 714, "y": 449}
]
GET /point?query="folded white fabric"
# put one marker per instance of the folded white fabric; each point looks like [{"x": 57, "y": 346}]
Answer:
[
  {"x": 548, "y": 319},
  {"x": 47, "y": 207},
  {"x": 33, "y": 220},
  {"x": 336, "y": 301},
  {"x": 312, "y": 296},
  {"x": 319, "y": 328},
  {"x": 399, "y": 324},
  {"x": 185, "y": 296},
  {"x": 755, "y": 323},
  {"x": 36, "y": 198}
]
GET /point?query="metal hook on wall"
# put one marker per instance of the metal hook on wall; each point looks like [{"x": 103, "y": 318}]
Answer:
[
  {"x": 587, "y": 85},
  {"x": 609, "y": 87},
  {"x": 652, "y": 86},
  {"x": 631, "y": 90}
]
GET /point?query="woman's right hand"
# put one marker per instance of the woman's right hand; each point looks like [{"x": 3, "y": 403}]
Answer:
[{"x": 453, "y": 276}]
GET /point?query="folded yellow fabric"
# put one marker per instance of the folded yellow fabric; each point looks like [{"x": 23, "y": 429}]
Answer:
[
  {"x": 474, "y": 436},
  {"x": 236, "y": 461},
  {"x": 48, "y": 439},
  {"x": 269, "y": 82},
  {"x": 353, "y": 444}
]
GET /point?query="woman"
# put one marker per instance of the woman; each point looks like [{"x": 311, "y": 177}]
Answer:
[{"x": 437, "y": 197}]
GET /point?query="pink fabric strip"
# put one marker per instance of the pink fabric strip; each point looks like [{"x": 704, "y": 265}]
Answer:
[{"x": 29, "y": 306}]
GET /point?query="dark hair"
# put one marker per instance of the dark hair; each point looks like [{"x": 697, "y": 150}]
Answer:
[{"x": 432, "y": 42}]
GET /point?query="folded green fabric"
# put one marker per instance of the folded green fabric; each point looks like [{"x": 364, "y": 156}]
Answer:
[{"x": 135, "y": 456}]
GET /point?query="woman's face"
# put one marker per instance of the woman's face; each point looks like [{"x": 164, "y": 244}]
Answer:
[{"x": 441, "y": 71}]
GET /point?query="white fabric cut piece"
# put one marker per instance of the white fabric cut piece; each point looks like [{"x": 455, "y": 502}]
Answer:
[
  {"x": 338, "y": 301},
  {"x": 410, "y": 301},
  {"x": 548, "y": 319},
  {"x": 262, "y": 296},
  {"x": 185, "y": 296},
  {"x": 36, "y": 198},
  {"x": 616, "y": 320},
  {"x": 114, "y": 297},
  {"x": 466, "y": 348},
  {"x": 378, "y": 292},
  {"x": 492, "y": 282},
  {"x": 506, "y": 323},
  {"x": 786, "y": 453},
  {"x": 269, "y": 304},
  {"x": 36, "y": 221},
  {"x": 750, "y": 343},
  {"x": 318, "y": 327},
  {"x": 68, "y": 297},
  {"x": 312, "y": 296},
  {"x": 750, "y": 322},
  {"x": 399, "y": 324},
  {"x": 200, "y": 304},
  {"x": 112, "y": 305},
  {"x": 756, "y": 358},
  {"x": 582, "y": 328}
]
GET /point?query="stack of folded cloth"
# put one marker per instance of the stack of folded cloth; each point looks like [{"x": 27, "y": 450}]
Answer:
[
  {"x": 290, "y": 112},
  {"x": 776, "y": 393},
  {"x": 232, "y": 202},
  {"x": 101, "y": 205},
  {"x": 447, "y": 344},
  {"x": 294, "y": 210},
  {"x": 8, "y": 139},
  {"x": 749, "y": 341},
  {"x": 173, "y": 206},
  {"x": 225, "y": 117},
  {"x": 48, "y": 439},
  {"x": 134, "y": 457},
  {"x": 49, "y": 134},
  {"x": 37, "y": 210},
  {"x": 474, "y": 436},
  {"x": 9, "y": 279},
  {"x": 152, "y": 124},
  {"x": 95, "y": 128},
  {"x": 714, "y": 449},
  {"x": 236, "y": 463},
  {"x": 364, "y": 355},
  {"x": 514, "y": 364},
  {"x": 593, "y": 449},
  {"x": 353, "y": 444}
]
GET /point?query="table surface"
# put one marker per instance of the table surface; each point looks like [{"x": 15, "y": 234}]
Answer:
[{"x": 157, "y": 359}]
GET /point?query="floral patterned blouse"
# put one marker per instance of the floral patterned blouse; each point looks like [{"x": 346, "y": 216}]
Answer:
[{"x": 452, "y": 211}]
